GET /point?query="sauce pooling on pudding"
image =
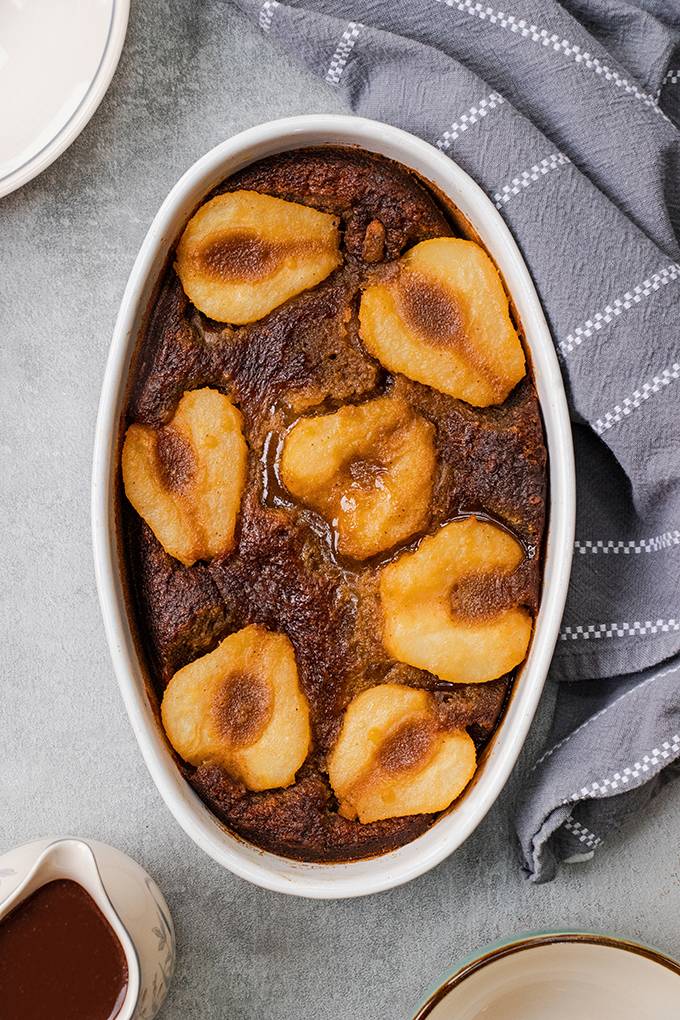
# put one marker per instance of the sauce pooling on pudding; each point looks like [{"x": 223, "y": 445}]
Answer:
[{"x": 60, "y": 958}]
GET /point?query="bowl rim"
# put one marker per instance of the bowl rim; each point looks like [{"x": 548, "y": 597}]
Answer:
[
  {"x": 67, "y": 133},
  {"x": 332, "y": 880},
  {"x": 525, "y": 941}
]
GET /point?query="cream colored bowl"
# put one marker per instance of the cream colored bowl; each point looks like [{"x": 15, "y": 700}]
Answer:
[
  {"x": 559, "y": 976},
  {"x": 267, "y": 869},
  {"x": 57, "y": 59}
]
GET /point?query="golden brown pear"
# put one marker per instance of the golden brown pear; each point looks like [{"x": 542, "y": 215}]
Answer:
[
  {"x": 241, "y": 707},
  {"x": 186, "y": 479},
  {"x": 243, "y": 254},
  {"x": 426, "y": 622},
  {"x": 393, "y": 758},
  {"x": 443, "y": 320},
  {"x": 368, "y": 469}
]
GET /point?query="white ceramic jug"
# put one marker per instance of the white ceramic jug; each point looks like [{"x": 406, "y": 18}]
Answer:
[{"x": 127, "y": 896}]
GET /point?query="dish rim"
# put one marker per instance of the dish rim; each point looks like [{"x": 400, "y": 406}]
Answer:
[
  {"x": 526, "y": 941},
  {"x": 369, "y": 875}
]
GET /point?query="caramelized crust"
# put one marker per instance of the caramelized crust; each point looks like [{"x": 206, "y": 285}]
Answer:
[{"x": 304, "y": 361}]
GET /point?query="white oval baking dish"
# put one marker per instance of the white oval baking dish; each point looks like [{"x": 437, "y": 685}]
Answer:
[{"x": 391, "y": 869}]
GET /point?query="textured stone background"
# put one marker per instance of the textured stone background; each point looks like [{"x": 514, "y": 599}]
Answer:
[{"x": 193, "y": 73}]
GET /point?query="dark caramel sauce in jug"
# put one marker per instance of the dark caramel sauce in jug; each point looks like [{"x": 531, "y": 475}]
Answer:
[{"x": 60, "y": 958}]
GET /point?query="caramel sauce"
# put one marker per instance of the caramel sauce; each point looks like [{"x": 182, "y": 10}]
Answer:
[
  {"x": 365, "y": 474},
  {"x": 60, "y": 958},
  {"x": 275, "y": 494}
]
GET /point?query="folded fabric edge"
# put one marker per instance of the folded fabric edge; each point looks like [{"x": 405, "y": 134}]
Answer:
[{"x": 565, "y": 811}]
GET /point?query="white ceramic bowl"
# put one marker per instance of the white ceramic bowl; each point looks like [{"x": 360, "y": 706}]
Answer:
[
  {"x": 561, "y": 975},
  {"x": 266, "y": 869},
  {"x": 57, "y": 59}
]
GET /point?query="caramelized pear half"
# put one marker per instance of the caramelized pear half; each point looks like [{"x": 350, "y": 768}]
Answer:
[
  {"x": 393, "y": 758},
  {"x": 244, "y": 253},
  {"x": 441, "y": 605},
  {"x": 368, "y": 469},
  {"x": 241, "y": 707},
  {"x": 443, "y": 320},
  {"x": 186, "y": 479}
]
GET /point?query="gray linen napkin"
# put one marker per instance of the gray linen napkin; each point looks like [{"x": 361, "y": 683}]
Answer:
[{"x": 566, "y": 113}]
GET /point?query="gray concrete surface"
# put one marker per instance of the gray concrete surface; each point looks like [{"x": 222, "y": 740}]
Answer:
[{"x": 191, "y": 74}]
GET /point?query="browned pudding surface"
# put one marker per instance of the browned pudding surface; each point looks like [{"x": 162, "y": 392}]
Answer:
[{"x": 306, "y": 357}]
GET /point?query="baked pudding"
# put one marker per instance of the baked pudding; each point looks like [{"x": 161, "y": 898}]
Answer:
[{"x": 333, "y": 485}]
